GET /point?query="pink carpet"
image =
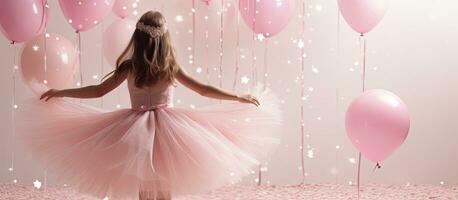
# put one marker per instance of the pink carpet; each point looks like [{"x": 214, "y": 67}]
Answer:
[{"x": 308, "y": 192}]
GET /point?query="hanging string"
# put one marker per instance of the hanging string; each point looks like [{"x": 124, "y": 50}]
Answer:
[
  {"x": 253, "y": 49},
  {"x": 207, "y": 67},
  {"x": 302, "y": 78},
  {"x": 337, "y": 85},
  {"x": 253, "y": 68},
  {"x": 13, "y": 107},
  {"x": 237, "y": 50},
  {"x": 363, "y": 61},
  {"x": 193, "y": 51},
  {"x": 78, "y": 34},
  {"x": 45, "y": 182},
  {"x": 359, "y": 174},
  {"x": 101, "y": 62},
  {"x": 266, "y": 43},
  {"x": 363, "y": 78},
  {"x": 221, "y": 46},
  {"x": 45, "y": 58},
  {"x": 338, "y": 33}
]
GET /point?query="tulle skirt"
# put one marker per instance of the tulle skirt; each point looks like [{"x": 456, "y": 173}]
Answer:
[{"x": 126, "y": 153}]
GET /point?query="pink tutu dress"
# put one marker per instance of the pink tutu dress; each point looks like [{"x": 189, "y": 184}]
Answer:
[{"x": 152, "y": 147}]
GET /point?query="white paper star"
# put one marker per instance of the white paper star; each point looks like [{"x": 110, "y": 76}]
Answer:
[
  {"x": 37, "y": 184},
  {"x": 244, "y": 79}
]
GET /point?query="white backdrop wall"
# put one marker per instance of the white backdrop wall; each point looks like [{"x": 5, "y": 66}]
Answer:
[{"x": 412, "y": 52}]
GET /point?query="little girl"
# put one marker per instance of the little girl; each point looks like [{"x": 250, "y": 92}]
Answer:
[{"x": 153, "y": 150}]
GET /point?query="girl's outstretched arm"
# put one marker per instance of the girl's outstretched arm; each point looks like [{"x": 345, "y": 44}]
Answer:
[
  {"x": 210, "y": 91},
  {"x": 92, "y": 91}
]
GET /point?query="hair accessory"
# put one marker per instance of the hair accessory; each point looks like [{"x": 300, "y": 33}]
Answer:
[{"x": 152, "y": 31}]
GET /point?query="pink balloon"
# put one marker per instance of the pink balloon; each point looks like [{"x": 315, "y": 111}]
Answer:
[
  {"x": 115, "y": 39},
  {"x": 21, "y": 20},
  {"x": 124, "y": 8},
  {"x": 363, "y": 15},
  {"x": 272, "y": 16},
  {"x": 377, "y": 123},
  {"x": 61, "y": 65},
  {"x": 83, "y": 15}
]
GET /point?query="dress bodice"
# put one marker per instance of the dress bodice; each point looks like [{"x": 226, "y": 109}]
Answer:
[{"x": 150, "y": 97}]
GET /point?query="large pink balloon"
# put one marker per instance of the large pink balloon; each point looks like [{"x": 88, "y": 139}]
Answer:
[
  {"x": 61, "y": 65},
  {"x": 363, "y": 15},
  {"x": 21, "y": 20},
  {"x": 271, "y": 17},
  {"x": 83, "y": 15},
  {"x": 377, "y": 123},
  {"x": 115, "y": 39},
  {"x": 124, "y": 8}
]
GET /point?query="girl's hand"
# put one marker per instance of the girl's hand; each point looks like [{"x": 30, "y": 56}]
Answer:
[
  {"x": 50, "y": 94},
  {"x": 249, "y": 99}
]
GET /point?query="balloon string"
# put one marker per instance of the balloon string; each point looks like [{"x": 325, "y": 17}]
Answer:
[
  {"x": 79, "y": 57},
  {"x": 45, "y": 182},
  {"x": 266, "y": 43},
  {"x": 13, "y": 107},
  {"x": 193, "y": 32},
  {"x": 253, "y": 67},
  {"x": 259, "y": 175},
  {"x": 237, "y": 48},
  {"x": 363, "y": 61},
  {"x": 359, "y": 174},
  {"x": 253, "y": 49},
  {"x": 338, "y": 32},
  {"x": 221, "y": 46},
  {"x": 337, "y": 85},
  {"x": 207, "y": 67},
  {"x": 45, "y": 47},
  {"x": 363, "y": 77},
  {"x": 101, "y": 62},
  {"x": 78, "y": 34},
  {"x": 302, "y": 78}
]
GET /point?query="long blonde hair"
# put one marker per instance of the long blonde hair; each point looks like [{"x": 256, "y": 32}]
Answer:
[{"x": 150, "y": 59}]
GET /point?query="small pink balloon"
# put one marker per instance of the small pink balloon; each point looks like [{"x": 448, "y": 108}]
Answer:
[
  {"x": 377, "y": 123},
  {"x": 116, "y": 38},
  {"x": 267, "y": 17},
  {"x": 21, "y": 20},
  {"x": 124, "y": 8},
  {"x": 61, "y": 65},
  {"x": 83, "y": 15},
  {"x": 363, "y": 15}
]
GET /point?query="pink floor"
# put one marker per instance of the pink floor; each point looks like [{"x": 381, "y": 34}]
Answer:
[{"x": 306, "y": 192}]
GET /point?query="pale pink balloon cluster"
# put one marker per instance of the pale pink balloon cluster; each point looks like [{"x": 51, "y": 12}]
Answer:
[
  {"x": 25, "y": 21},
  {"x": 378, "y": 121},
  {"x": 61, "y": 61}
]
